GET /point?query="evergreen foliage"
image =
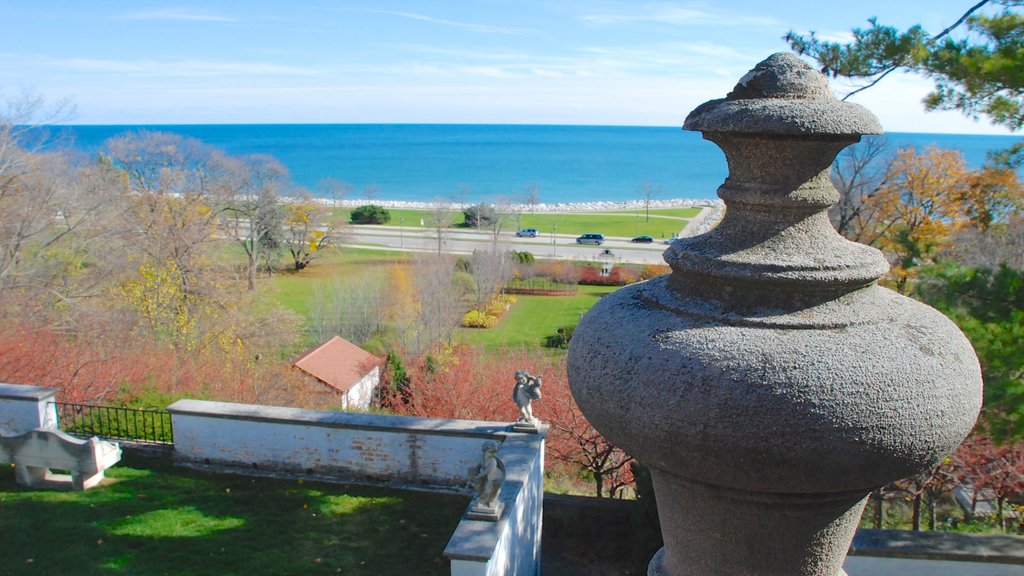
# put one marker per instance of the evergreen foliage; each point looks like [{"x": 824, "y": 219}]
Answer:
[
  {"x": 980, "y": 73},
  {"x": 480, "y": 216},
  {"x": 370, "y": 214}
]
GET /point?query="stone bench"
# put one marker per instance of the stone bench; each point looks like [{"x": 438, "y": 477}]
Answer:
[{"x": 35, "y": 452}]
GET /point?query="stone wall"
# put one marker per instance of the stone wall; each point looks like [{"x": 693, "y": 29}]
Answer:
[{"x": 420, "y": 451}]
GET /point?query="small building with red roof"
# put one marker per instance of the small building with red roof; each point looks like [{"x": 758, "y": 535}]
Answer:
[{"x": 345, "y": 369}]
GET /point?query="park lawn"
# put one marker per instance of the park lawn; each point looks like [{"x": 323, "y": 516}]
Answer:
[
  {"x": 533, "y": 318},
  {"x": 624, "y": 223},
  {"x": 150, "y": 518},
  {"x": 295, "y": 290}
]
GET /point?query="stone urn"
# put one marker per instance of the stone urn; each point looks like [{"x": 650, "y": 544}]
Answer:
[{"x": 769, "y": 382}]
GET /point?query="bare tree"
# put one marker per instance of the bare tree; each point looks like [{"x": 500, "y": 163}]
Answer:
[
  {"x": 532, "y": 197},
  {"x": 59, "y": 234},
  {"x": 251, "y": 216},
  {"x": 492, "y": 270},
  {"x": 440, "y": 220},
  {"x": 310, "y": 228},
  {"x": 999, "y": 244},
  {"x": 648, "y": 192},
  {"x": 857, "y": 173},
  {"x": 58, "y": 216},
  {"x": 439, "y": 299},
  {"x": 461, "y": 198},
  {"x": 334, "y": 189},
  {"x": 21, "y": 135},
  {"x": 371, "y": 191},
  {"x": 178, "y": 188},
  {"x": 504, "y": 211}
]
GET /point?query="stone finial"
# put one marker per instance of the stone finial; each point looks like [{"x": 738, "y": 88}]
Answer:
[
  {"x": 486, "y": 478},
  {"x": 769, "y": 382}
]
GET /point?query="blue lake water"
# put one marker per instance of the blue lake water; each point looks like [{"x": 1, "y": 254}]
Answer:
[{"x": 425, "y": 162}]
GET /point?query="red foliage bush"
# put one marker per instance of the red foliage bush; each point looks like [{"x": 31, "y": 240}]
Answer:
[
  {"x": 123, "y": 370},
  {"x": 469, "y": 383},
  {"x": 619, "y": 276}
]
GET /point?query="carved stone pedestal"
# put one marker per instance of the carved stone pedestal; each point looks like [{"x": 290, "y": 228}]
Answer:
[{"x": 769, "y": 383}]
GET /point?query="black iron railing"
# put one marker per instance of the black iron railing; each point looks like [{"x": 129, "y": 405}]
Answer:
[{"x": 115, "y": 423}]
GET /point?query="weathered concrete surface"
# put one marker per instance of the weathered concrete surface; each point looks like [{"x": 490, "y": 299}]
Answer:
[
  {"x": 34, "y": 452},
  {"x": 24, "y": 408},
  {"x": 768, "y": 382}
]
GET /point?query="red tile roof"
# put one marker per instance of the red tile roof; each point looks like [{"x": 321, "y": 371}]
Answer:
[{"x": 337, "y": 363}]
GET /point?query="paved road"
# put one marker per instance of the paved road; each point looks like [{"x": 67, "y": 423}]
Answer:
[{"x": 561, "y": 246}]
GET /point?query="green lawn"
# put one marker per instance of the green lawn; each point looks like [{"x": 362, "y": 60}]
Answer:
[
  {"x": 155, "y": 520},
  {"x": 662, "y": 223},
  {"x": 295, "y": 290},
  {"x": 535, "y": 317}
]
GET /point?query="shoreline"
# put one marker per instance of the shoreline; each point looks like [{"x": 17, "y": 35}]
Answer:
[{"x": 711, "y": 211}]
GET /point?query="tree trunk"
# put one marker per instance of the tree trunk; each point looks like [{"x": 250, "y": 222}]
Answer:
[
  {"x": 879, "y": 509},
  {"x": 1000, "y": 500},
  {"x": 916, "y": 523},
  {"x": 931, "y": 512},
  {"x": 599, "y": 482},
  {"x": 251, "y": 277}
]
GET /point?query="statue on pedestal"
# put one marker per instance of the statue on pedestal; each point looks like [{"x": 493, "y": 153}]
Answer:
[
  {"x": 486, "y": 478},
  {"x": 525, "y": 391}
]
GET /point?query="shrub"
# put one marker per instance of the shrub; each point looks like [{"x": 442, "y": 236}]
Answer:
[
  {"x": 370, "y": 214},
  {"x": 561, "y": 339},
  {"x": 480, "y": 216},
  {"x": 619, "y": 276},
  {"x": 478, "y": 319},
  {"x": 492, "y": 312},
  {"x": 564, "y": 272},
  {"x": 524, "y": 257},
  {"x": 464, "y": 283},
  {"x": 653, "y": 270}
]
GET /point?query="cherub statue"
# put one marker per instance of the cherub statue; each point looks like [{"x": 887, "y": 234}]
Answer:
[
  {"x": 525, "y": 391},
  {"x": 486, "y": 477}
]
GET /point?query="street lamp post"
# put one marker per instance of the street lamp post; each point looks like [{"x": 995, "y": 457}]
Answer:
[
  {"x": 554, "y": 249},
  {"x": 401, "y": 232}
]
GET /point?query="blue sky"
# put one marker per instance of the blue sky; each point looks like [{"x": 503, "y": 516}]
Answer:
[{"x": 484, "y": 61}]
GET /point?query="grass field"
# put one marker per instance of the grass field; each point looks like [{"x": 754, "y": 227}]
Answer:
[
  {"x": 663, "y": 221},
  {"x": 535, "y": 317},
  {"x": 155, "y": 519},
  {"x": 295, "y": 290}
]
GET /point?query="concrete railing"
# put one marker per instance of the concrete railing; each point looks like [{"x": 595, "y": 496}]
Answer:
[
  {"x": 422, "y": 452},
  {"x": 24, "y": 408},
  {"x": 511, "y": 545}
]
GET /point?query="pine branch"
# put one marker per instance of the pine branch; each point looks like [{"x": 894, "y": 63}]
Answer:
[{"x": 931, "y": 41}]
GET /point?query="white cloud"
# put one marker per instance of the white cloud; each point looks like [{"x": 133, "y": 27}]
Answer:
[
  {"x": 681, "y": 15},
  {"x": 488, "y": 71},
  {"x": 175, "y": 68},
  {"x": 544, "y": 73},
  {"x": 470, "y": 26},
  {"x": 175, "y": 14}
]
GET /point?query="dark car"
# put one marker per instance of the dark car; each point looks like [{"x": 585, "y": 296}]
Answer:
[
  {"x": 597, "y": 239},
  {"x": 527, "y": 233},
  {"x": 642, "y": 240}
]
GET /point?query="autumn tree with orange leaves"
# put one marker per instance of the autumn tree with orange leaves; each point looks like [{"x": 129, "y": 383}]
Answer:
[{"x": 922, "y": 198}]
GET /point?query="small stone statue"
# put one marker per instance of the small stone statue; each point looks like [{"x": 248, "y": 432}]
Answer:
[
  {"x": 486, "y": 478},
  {"x": 525, "y": 391}
]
